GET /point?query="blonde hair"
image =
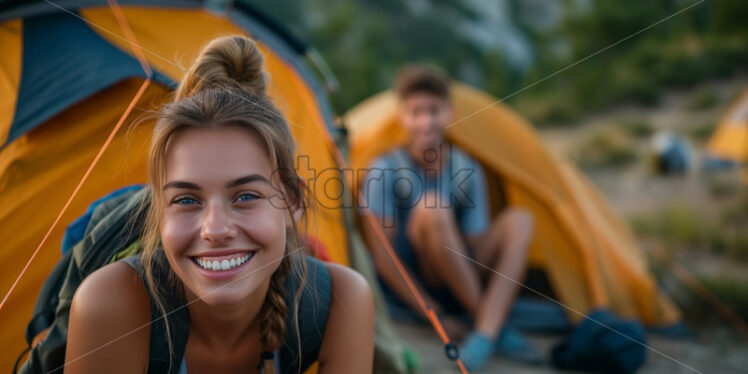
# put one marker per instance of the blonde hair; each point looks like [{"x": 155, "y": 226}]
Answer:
[{"x": 226, "y": 87}]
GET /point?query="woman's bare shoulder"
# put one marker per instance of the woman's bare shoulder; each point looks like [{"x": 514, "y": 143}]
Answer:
[
  {"x": 113, "y": 289},
  {"x": 109, "y": 322},
  {"x": 347, "y": 282}
]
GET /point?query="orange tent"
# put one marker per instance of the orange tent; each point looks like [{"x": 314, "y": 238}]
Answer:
[
  {"x": 587, "y": 252},
  {"x": 730, "y": 140},
  {"x": 66, "y": 77}
]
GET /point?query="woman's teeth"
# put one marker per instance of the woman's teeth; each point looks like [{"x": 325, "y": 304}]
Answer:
[{"x": 224, "y": 264}]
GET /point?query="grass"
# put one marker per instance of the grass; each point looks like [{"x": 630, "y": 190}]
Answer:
[
  {"x": 702, "y": 132},
  {"x": 730, "y": 290},
  {"x": 609, "y": 149},
  {"x": 638, "y": 128},
  {"x": 678, "y": 226},
  {"x": 735, "y": 221},
  {"x": 681, "y": 227},
  {"x": 722, "y": 187},
  {"x": 706, "y": 100}
]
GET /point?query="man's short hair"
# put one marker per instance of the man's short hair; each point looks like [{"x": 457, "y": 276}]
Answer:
[{"x": 421, "y": 79}]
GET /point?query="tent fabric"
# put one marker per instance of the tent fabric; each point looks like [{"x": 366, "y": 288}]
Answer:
[
  {"x": 42, "y": 163},
  {"x": 587, "y": 252},
  {"x": 38, "y": 172},
  {"x": 730, "y": 140},
  {"x": 63, "y": 67},
  {"x": 10, "y": 73}
]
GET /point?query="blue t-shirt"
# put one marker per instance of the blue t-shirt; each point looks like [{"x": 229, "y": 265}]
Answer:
[{"x": 394, "y": 184}]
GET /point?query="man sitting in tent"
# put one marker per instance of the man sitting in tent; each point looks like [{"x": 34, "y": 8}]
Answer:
[{"x": 430, "y": 199}]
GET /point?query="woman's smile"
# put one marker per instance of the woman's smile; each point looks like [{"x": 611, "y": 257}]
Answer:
[{"x": 223, "y": 264}]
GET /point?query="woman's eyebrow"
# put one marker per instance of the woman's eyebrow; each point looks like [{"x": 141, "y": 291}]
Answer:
[
  {"x": 182, "y": 184},
  {"x": 247, "y": 179},
  {"x": 234, "y": 183}
]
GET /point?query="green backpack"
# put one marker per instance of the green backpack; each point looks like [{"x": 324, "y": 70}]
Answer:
[{"x": 111, "y": 235}]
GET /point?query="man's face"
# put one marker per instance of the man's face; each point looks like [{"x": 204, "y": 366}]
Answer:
[{"x": 425, "y": 117}]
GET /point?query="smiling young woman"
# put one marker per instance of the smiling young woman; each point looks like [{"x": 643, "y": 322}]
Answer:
[{"x": 221, "y": 241}]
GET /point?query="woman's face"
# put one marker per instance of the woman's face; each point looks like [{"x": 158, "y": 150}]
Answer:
[{"x": 220, "y": 232}]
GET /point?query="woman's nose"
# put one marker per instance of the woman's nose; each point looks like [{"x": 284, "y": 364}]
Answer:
[{"x": 217, "y": 228}]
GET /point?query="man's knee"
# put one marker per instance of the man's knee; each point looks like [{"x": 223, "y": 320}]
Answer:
[
  {"x": 427, "y": 220},
  {"x": 430, "y": 212}
]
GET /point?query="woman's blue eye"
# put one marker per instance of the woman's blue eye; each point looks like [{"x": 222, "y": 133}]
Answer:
[
  {"x": 245, "y": 197},
  {"x": 185, "y": 201}
]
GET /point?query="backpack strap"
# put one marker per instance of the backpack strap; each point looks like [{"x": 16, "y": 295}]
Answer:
[
  {"x": 160, "y": 360},
  {"x": 313, "y": 309}
]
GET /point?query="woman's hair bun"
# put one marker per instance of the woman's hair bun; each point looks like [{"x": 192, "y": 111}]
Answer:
[{"x": 228, "y": 62}]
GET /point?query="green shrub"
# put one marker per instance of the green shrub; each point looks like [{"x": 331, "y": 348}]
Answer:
[
  {"x": 732, "y": 291},
  {"x": 683, "y": 224},
  {"x": 729, "y": 289},
  {"x": 722, "y": 187},
  {"x": 704, "y": 101},
  {"x": 702, "y": 132},
  {"x": 643, "y": 225},
  {"x": 679, "y": 226},
  {"x": 736, "y": 214},
  {"x": 611, "y": 149},
  {"x": 637, "y": 127},
  {"x": 739, "y": 249}
]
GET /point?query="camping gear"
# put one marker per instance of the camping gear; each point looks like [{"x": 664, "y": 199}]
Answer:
[
  {"x": 730, "y": 141},
  {"x": 512, "y": 344},
  {"x": 67, "y": 74},
  {"x": 587, "y": 253},
  {"x": 728, "y": 146},
  {"x": 475, "y": 350},
  {"x": 672, "y": 154},
  {"x": 603, "y": 343}
]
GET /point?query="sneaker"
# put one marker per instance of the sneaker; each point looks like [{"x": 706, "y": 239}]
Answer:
[
  {"x": 511, "y": 345},
  {"x": 475, "y": 351}
]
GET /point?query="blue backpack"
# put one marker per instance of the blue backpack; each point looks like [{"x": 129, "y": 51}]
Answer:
[{"x": 603, "y": 343}]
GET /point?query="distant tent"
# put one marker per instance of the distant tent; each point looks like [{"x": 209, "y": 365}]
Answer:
[
  {"x": 587, "y": 252},
  {"x": 730, "y": 140},
  {"x": 64, "y": 83},
  {"x": 672, "y": 154}
]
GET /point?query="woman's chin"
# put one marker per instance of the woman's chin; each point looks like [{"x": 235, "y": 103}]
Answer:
[
  {"x": 223, "y": 296},
  {"x": 221, "y": 292},
  {"x": 224, "y": 287}
]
